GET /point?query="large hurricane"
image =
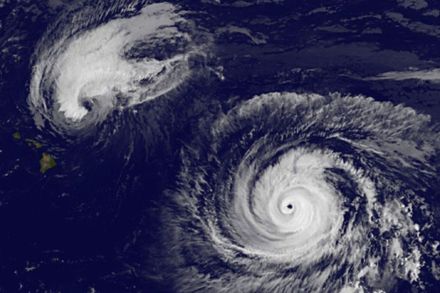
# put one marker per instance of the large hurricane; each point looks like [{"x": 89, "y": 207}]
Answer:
[{"x": 295, "y": 192}]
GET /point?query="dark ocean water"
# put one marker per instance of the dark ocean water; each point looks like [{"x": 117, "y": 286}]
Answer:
[{"x": 219, "y": 146}]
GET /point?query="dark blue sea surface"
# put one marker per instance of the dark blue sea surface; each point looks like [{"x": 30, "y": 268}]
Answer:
[{"x": 219, "y": 146}]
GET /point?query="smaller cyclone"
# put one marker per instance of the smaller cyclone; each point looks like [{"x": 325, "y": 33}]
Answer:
[
  {"x": 295, "y": 192},
  {"x": 82, "y": 75}
]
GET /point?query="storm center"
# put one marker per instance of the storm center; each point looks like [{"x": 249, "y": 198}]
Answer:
[{"x": 287, "y": 207}]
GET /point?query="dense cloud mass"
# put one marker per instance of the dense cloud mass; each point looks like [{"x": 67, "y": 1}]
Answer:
[
  {"x": 84, "y": 74},
  {"x": 305, "y": 192}
]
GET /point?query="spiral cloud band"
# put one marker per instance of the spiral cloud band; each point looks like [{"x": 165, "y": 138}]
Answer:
[
  {"x": 304, "y": 193},
  {"x": 83, "y": 75},
  {"x": 290, "y": 208}
]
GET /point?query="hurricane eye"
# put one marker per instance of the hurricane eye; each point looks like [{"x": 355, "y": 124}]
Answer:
[{"x": 87, "y": 104}]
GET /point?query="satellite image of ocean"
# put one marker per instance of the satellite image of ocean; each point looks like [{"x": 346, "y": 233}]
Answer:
[{"x": 219, "y": 146}]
